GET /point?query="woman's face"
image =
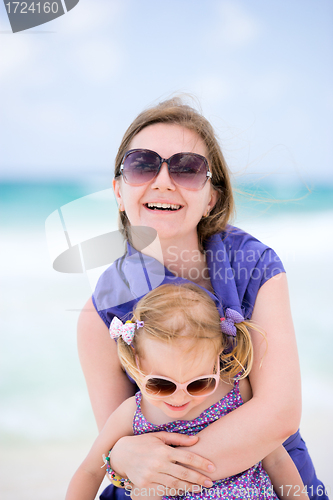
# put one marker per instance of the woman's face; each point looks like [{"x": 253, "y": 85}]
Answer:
[{"x": 166, "y": 140}]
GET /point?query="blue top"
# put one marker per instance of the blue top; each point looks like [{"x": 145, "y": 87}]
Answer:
[{"x": 238, "y": 266}]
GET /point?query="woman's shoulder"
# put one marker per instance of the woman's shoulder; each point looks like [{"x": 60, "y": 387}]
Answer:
[
  {"x": 238, "y": 239},
  {"x": 122, "y": 284},
  {"x": 239, "y": 265},
  {"x": 242, "y": 247},
  {"x": 114, "y": 294}
]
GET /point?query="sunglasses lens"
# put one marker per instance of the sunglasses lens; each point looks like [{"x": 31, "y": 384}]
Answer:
[
  {"x": 189, "y": 170},
  {"x": 202, "y": 387},
  {"x": 140, "y": 167},
  {"x": 159, "y": 387}
]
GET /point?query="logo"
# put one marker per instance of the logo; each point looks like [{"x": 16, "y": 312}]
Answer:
[
  {"x": 25, "y": 15},
  {"x": 83, "y": 237}
]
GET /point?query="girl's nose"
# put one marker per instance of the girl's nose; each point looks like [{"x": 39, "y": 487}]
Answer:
[
  {"x": 163, "y": 180},
  {"x": 179, "y": 397}
]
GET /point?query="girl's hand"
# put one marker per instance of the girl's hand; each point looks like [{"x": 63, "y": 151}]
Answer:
[{"x": 149, "y": 461}]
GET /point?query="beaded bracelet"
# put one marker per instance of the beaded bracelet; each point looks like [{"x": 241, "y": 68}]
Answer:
[{"x": 116, "y": 480}]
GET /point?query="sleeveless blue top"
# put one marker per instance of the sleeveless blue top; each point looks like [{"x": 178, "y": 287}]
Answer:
[{"x": 238, "y": 265}]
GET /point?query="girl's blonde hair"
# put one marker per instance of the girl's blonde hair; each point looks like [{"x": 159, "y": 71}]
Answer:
[
  {"x": 175, "y": 111},
  {"x": 175, "y": 312}
]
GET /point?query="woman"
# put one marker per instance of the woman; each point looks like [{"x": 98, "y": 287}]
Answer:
[{"x": 188, "y": 200}]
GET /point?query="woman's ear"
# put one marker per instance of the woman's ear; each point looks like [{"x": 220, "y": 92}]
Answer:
[
  {"x": 116, "y": 183},
  {"x": 213, "y": 199}
]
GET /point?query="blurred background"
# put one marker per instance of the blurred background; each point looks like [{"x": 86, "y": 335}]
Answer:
[{"x": 262, "y": 73}]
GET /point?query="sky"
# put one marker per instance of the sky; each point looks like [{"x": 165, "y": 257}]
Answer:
[{"x": 262, "y": 72}]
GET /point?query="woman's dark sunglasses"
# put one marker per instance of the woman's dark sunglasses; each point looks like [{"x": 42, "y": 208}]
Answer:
[
  {"x": 188, "y": 170},
  {"x": 161, "y": 387}
]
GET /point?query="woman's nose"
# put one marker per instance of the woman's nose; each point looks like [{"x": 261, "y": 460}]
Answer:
[{"x": 163, "y": 180}]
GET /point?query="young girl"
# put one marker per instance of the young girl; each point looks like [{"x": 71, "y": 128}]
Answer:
[{"x": 189, "y": 375}]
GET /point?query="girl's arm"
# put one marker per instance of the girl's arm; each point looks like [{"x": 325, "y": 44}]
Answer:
[
  {"x": 151, "y": 461},
  {"x": 87, "y": 479},
  {"x": 284, "y": 475}
]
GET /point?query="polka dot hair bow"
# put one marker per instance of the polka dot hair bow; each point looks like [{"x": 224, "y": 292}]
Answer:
[
  {"x": 228, "y": 323},
  {"x": 124, "y": 330}
]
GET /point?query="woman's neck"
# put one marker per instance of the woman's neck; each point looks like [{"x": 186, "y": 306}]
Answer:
[
  {"x": 188, "y": 263},
  {"x": 183, "y": 258}
]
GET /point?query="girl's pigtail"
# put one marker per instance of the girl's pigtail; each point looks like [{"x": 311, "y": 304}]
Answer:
[{"x": 238, "y": 356}]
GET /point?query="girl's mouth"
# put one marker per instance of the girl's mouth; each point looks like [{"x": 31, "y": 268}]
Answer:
[
  {"x": 163, "y": 206},
  {"x": 177, "y": 407}
]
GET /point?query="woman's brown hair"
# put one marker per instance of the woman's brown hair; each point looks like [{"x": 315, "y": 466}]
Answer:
[{"x": 175, "y": 111}]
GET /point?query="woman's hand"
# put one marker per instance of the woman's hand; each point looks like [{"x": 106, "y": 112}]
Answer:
[{"x": 149, "y": 463}]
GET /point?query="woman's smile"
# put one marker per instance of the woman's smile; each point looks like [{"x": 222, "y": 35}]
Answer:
[{"x": 163, "y": 206}]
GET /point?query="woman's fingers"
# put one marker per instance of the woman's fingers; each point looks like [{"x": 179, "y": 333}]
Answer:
[
  {"x": 179, "y": 475},
  {"x": 153, "y": 462},
  {"x": 185, "y": 457},
  {"x": 174, "y": 469},
  {"x": 166, "y": 485},
  {"x": 172, "y": 438}
]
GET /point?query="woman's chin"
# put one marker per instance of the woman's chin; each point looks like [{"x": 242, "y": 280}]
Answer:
[{"x": 168, "y": 230}]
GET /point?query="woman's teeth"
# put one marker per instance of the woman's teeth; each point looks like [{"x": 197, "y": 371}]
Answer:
[{"x": 163, "y": 206}]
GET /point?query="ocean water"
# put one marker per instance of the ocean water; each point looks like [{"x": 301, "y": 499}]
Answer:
[{"x": 43, "y": 393}]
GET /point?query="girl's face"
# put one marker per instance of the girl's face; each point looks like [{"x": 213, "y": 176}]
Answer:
[
  {"x": 174, "y": 361},
  {"x": 166, "y": 140}
]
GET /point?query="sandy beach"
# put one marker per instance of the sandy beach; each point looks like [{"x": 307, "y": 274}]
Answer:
[{"x": 40, "y": 472}]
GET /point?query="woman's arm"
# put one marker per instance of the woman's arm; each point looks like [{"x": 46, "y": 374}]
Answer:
[
  {"x": 87, "y": 479},
  {"x": 248, "y": 434},
  {"x": 284, "y": 475},
  {"x": 108, "y": 385},
  {"x": 145, "y": 459}
]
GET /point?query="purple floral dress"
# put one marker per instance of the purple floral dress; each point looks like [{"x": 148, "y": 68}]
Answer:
[{"x": 253, "y": 483}]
